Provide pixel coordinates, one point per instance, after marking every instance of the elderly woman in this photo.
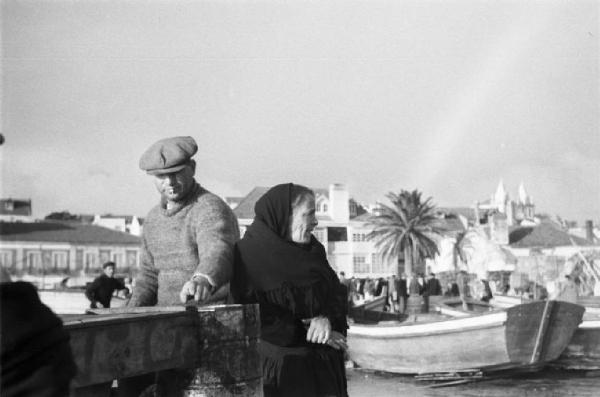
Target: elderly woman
(281, 266)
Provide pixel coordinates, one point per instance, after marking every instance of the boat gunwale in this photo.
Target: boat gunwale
(90, 320)
(408, 330)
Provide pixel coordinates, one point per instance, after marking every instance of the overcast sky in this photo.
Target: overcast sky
(447, 97)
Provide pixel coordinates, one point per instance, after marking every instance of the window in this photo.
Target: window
(104, 256)
(324, 207)
(360, 264)
(318, 207)
(6, 259)
(337, 234)
(319, 235)
(377, 263)
(34, 261)
(90, 261)
(59, 261)
(118, 259)
(131, 259)
(358, 237)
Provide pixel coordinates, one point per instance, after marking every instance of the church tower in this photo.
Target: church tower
(500, 198)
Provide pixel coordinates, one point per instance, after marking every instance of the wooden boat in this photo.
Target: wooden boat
(583, 351)
(526, 334)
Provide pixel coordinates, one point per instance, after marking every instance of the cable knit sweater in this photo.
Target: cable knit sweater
(197, 236)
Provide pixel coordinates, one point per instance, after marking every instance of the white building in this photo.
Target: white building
(12, 210)
(123, 223)
(64, 248)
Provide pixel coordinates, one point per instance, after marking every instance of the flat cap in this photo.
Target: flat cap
(168, 155)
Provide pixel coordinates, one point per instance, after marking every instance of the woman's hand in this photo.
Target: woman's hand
(319, 330)
(337, 341)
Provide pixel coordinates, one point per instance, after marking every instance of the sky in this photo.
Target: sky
(447, 97)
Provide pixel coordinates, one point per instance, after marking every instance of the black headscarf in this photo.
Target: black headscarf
(274, 209)
(286, 278)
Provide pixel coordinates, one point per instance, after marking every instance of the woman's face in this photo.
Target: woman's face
(303, 221)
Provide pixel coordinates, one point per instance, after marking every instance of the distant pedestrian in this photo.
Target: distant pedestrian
(421, 283)
(433, 286)
(568, 290)
(100, 291)
(393, 293)
(486, 295)
(369, 289)
(402, 290)
(462, 281)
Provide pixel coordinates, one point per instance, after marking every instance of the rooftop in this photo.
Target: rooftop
(544, 235)
(60, 232)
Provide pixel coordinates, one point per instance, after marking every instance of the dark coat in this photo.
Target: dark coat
(433, 287)
(101, 290)
(402, 288)
(35, 352)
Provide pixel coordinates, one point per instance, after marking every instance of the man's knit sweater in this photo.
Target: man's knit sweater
(197, 236)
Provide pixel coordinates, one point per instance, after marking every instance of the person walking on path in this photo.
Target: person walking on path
(402, 289)
(101, 290)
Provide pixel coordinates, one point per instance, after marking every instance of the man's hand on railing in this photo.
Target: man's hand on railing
(198, 288)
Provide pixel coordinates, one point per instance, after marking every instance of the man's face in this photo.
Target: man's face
(174, 186)
(109, 271)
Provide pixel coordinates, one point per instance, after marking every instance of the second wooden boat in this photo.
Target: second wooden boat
(583, 350)
(526, 334)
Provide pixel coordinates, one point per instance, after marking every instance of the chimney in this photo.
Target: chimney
(339, 201)
(589, 230)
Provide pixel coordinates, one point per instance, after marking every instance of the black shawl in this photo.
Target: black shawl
(36, 358)
(290, 281)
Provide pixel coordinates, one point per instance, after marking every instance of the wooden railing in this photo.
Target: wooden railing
(219, 344)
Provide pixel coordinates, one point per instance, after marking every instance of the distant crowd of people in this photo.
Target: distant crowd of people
(397, 290)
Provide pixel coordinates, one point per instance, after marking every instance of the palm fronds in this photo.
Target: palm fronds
(406, 226)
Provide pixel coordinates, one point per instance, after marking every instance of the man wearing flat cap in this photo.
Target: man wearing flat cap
(188, 238)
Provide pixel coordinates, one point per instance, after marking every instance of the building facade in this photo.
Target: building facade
(64, 248)
(14, 210)
(124, 223)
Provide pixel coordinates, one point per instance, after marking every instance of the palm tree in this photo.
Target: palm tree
(407, 226)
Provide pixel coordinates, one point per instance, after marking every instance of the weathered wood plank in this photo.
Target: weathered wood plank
(126, 345)
(218, 344)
